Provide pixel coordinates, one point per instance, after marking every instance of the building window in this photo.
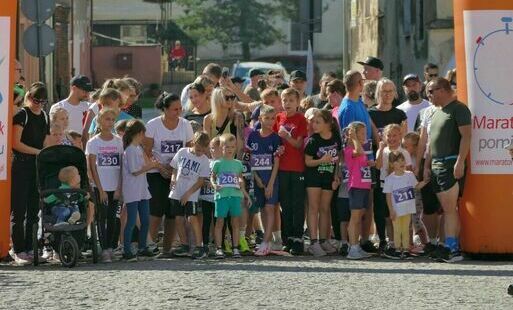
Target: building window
(309, 14)
(133, 34)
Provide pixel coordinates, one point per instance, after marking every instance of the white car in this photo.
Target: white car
(241, 69)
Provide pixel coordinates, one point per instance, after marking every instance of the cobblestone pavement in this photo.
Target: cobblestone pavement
(250, 283)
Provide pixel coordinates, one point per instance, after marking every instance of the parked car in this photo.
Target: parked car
(241, 69)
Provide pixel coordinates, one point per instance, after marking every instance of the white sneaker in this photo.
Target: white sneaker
(56, 256)
(74, 217)
(21, 259)
(47, 253)
(354, 252)
(364, 254)
(316, 250)
(106, 256)
(118, 251)
(41, 259)
(263, 249)
(328, 247)
(275, 246)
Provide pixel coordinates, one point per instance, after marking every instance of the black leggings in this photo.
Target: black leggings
(380, 212)
(24, 204)
(292, 200)
(106, 219)
(335, 219)
(208, 217)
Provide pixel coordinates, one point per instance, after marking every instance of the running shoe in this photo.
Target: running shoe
(199, 252)
(328, 247)
(369, 247)
(316, 250)
(392, 253)
(106, 258)
(145, 253)
(354, 253)
(20, 259)
(219, 253)
(344, 249)
(74, 217)
(227, 246)
(364, 254)
(263, 249)
(236, 253)
(298, 248)
(407, 255)
(447, 256)
(129, 257)
(181, 251)
(243, 245)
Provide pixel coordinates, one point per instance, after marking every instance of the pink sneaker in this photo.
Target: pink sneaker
(263, 249)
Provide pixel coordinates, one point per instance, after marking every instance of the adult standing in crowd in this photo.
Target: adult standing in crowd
(76, 104)
(165, 135)
(31, 127)
(298, 82)
(336, 91)
(212, 71)
(412, 87)
(255, 75)
(199, 106)
(372, 68)
(131, 107)
(321, 99)
(431, 72)
(449, 145)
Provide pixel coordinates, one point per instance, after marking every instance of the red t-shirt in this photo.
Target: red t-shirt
(293, 158)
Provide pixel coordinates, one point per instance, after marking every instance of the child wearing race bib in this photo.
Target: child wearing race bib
(228, 184)
(359, 184)
(264, 145)
(135, 188)
(400, 188)
(104, 155)
(392, 135)
(190, 168)
(321, 159)
(342, 206)
(206, 197)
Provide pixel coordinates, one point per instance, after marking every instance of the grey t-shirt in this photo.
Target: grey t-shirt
(135, 188)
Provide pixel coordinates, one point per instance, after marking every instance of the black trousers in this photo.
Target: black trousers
(292, 200)
(381, 212)
(106, 219)
(208, 218)
(24, 204)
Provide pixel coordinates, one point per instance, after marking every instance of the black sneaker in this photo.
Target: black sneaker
(368, 247)
(181, 251)
(199, 252)
(448, 256)
(392, 253)
(145, 253)
(382, 247)
(437, 253)
(259, 236)
(288, 245)
(429, 248)
(129, 257)
(297, 247)
(344, 250)
(407, 255)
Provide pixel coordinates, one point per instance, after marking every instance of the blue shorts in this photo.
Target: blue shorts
(358, 198)
(228, 206)
(261, 201)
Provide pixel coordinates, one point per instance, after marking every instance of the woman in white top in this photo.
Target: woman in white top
(165, 135)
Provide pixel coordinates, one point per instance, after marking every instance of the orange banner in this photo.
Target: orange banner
(482, 38)
(8, 25)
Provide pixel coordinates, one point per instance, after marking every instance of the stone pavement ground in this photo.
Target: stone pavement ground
(255, 283)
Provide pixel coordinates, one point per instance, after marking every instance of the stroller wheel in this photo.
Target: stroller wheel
(35, 243)
(68, 251)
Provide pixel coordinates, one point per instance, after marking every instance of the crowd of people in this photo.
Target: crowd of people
(224, 171)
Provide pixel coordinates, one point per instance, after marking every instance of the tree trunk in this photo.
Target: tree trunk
(243, 30)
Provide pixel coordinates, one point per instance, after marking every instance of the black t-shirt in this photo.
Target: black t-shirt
(318, 102)
(35, 128)
(135, 110)
(317, 147)
(191, 116)
(383, 118)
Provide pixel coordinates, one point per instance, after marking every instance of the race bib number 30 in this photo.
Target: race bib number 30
(228, 180)
(170, 147)
(262, 162)
(108, 160)
(403, 194)
(365, 174)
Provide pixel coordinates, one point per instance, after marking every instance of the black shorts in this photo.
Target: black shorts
(322, 181)
(189, 209)
(442, 175)
(344, 214)
(159, 190)
(430, 202)
(358, 198)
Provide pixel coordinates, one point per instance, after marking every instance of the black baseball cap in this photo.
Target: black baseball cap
(237, 80)
(411, 76)
(82, 82)
(373, 62)
(297, 75)
(255, 72)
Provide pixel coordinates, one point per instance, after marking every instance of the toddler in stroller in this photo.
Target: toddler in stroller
(65, 207)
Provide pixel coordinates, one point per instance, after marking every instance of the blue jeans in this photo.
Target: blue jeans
(62, 212)
(143, 207)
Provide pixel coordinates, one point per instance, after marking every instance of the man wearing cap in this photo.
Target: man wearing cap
(251, 90)
(412, 107)
(298, 82)
(76, 104)
(372, 68)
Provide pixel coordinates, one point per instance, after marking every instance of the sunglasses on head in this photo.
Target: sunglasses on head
(230, 97)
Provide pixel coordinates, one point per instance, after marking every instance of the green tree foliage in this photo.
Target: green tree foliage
(248, 23)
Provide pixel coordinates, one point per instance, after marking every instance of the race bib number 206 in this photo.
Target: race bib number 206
(228, 180)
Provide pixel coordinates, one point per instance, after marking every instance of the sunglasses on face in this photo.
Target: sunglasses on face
(230, 97)
(433, 75)
(431, 91)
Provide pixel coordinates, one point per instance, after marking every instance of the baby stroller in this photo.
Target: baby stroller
(67, 240)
